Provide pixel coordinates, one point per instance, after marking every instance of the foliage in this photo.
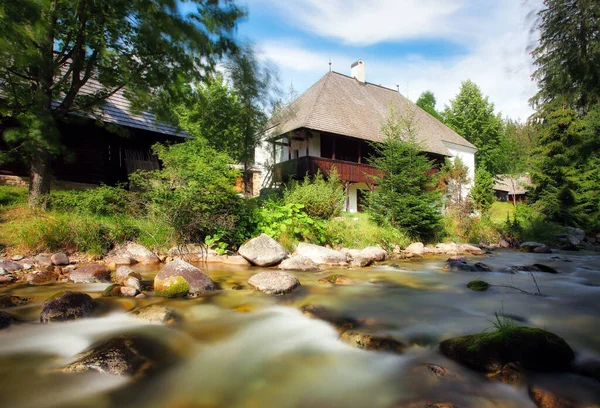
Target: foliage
(472, 115)
(290, 223)
(405, 198)
(321, 198)
(568, 54)
(482, 192)
(453, 178)
(103, 200)
(51, 49)
(427, 102)
(193, 193)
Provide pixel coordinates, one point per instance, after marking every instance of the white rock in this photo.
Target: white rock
(415, 248)
(263, 251)
(321, 255)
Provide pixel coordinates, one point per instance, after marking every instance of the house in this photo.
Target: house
(102, 148)
(334, 124)
(511, 188)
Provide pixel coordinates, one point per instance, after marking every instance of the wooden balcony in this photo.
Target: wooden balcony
(349, 172)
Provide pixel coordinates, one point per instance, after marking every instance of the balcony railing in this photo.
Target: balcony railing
(347, 171)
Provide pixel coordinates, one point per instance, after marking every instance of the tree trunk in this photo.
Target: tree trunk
(39, 182)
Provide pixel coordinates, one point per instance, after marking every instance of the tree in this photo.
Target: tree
(253, 83)
(568, 54)
(51, 48)
(472, 115)
(482, 192)
(453, 178)
(427, 102)
(406, 197)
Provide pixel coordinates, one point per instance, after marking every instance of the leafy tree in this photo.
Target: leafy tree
(482, 192)
(405, 198)
(51, 48)
(427, 102)
(453, 178)
(254, 84)
(568, 54)
(472, 115)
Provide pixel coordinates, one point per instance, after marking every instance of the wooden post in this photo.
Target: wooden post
(306, 133)
(333, 147)
(359, 152)
(289, 140)
(347, 184)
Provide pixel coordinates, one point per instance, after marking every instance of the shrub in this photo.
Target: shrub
(320, 197)
(359, 231)
(103, 200)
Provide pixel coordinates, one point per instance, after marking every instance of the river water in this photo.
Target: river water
(241, 348)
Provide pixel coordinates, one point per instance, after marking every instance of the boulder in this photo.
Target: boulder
(40, 278)
(534, 349)
(138, 252)
(544, 398)
(416, 248)
(368, 341)
(321, 255)
(59, 259)
(576, 233)
(376, 254)
(16, 257)
(66, 306)
(156, 314)
(5, 320)
(276, 283)
(6, 279)
(478, 285)
(127, 291)
(43, 260)
(511, 373)
(263, 251)
(9, 266)
(3, 271)
(298, 263)
(124, 272)
(127, 355)
(360, 262)
(544, 249)
(537, 247)
(112, 290)
(90, 273)
(114, 261)
(234, 260)
(460, 266)
(133, 282)
(12, 301)
(178, 279)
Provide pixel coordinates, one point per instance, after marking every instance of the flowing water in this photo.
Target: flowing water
(241, 348)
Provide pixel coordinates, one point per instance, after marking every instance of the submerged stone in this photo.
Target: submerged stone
(276, 283)
(373, 342)
(298, 263)
(156, 314)
(532, 348)
(12, 301)
(5, 320)
(340, 322)
(66, 306)
(478, 285)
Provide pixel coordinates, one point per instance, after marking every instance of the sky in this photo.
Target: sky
(417, 45)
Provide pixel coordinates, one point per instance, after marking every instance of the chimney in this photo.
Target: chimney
(358, 70)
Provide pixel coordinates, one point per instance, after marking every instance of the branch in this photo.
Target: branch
(519, 289)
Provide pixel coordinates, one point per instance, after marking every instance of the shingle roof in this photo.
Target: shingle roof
(340, 104)
(117, 110)
(512, 185)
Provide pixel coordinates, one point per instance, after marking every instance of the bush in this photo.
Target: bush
(103, 200)
(359, 231)
(482, 192)
(320, 198)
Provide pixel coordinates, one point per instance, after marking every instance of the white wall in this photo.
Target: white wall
(467, 156)
(353, 196)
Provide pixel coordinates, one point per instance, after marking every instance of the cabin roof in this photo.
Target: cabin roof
(343, 105)
(512, 185)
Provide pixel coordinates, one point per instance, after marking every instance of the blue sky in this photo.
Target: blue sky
(416, 44)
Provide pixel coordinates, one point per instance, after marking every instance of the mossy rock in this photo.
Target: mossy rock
(535, 349)
(112, 290)
(172, 287)
(478, 285)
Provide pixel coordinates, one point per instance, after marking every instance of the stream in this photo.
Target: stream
(243, 348)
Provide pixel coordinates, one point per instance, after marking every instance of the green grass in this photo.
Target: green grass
(499, 210)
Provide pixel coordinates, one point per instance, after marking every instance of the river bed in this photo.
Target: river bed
(242, 348)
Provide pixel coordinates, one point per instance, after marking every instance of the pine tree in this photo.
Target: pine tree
(482, 192)
(405, 197)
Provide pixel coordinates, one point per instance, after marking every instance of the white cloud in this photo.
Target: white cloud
(497, 60)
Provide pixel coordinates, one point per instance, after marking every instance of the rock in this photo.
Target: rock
(298, 263)
(569, 247)
(156, 314)
(114, 261)
(66, 306)
(12, 301)
(43, 260)
(112, 290)
(423, 404)
(502, 243)
(415, 248)
(478, 285)
(337, 280)
(534, 349)
(127, 291)
(469, 249)
(373, 342)
(481, 267)
(534, 268)
(544, 268)
(59, 258)
(9, 266)
(178, 279)
(276, 283)
(511, 374)
(376, 254)
(544, 249)
(40, 278)
(530, 246)
(124, 272)
(263, 251)
(435, 370)
(5, 320)
(27, 266)
(90, 273)
(459, 266)
(321, 255)
(360, 262)
(16, 258)
(546, 399)
(138, 252)
(3, 271)
(234, 260)
(576, 233)
(341, 323)
(133, 282)
(6, 279)
(127, 355)
(589, 368)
